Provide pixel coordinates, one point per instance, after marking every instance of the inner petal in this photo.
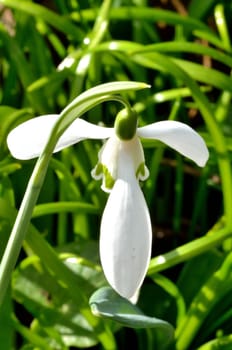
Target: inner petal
(120, 159)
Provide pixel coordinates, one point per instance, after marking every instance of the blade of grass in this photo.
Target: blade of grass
(146, 14)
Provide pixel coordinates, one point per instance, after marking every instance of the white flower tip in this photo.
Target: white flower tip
(204, 158)
(201, 154)
(135, 297)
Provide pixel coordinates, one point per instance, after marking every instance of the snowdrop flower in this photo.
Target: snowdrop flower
(126, 232)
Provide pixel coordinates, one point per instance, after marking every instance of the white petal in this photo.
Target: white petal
(80, 130)
(125, 239)
(180, 137)
(28, 140)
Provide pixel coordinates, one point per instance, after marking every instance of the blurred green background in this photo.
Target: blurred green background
(50, 52)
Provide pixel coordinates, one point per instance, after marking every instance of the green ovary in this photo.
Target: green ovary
(126, 124)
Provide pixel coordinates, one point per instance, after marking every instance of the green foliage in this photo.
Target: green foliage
(51, 53)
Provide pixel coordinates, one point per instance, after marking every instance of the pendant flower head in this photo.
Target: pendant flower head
(125, 233)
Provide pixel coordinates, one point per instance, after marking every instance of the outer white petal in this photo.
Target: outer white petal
(125, 239)
(180, 137)
(28, 140)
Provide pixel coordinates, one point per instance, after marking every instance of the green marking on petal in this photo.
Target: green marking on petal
(141, 170)
(108, 178)
(98, 170)
(101, 172)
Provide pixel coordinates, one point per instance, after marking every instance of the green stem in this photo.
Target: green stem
(91, 41)
(22, 222)
(101, 24)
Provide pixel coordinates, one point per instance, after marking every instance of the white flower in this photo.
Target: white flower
(126, 233)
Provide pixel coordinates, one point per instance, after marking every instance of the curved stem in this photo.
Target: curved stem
(22, 222)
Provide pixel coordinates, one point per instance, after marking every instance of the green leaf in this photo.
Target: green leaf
(172, 47)
(105, 302)
(196, 272)
(147, 14)
(195, 71)
(206, 75)
(48, 301)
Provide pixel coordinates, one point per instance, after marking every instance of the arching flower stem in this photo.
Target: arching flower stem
(75, 109)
